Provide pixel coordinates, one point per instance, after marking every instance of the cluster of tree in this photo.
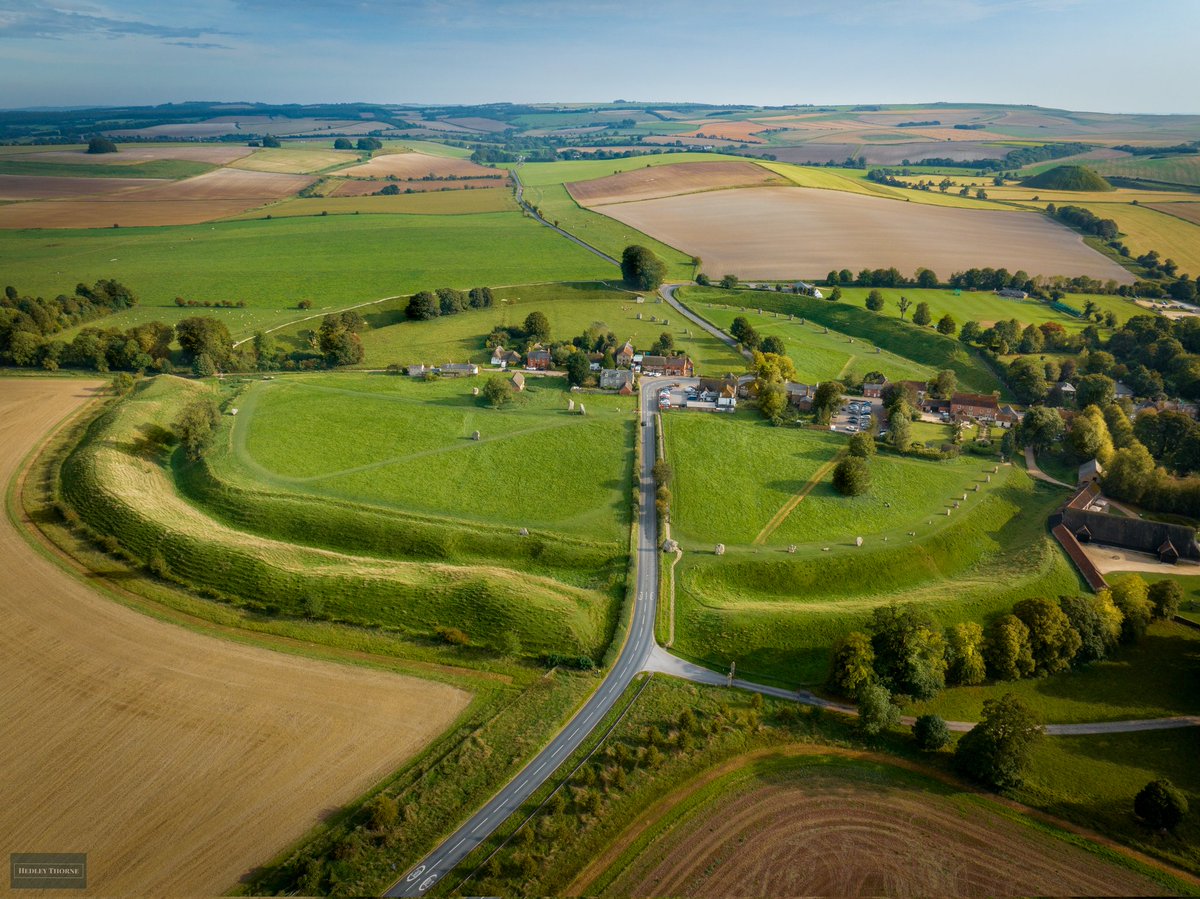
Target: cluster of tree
(883, 277)
(368, 144)
(211, 304)
(641, 268)
(1085, 220)
(338, 339)
(535, 329)
(744, 333)
(101, 145)
(429, 304)
(25, 320)
(852, 475)
(772, 371)
(1177, 150)
(195, 425)
(514, 151)
(1149, 345)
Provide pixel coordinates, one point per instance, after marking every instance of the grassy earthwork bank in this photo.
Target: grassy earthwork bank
(570, 307)
(333, 261)
(923, 346)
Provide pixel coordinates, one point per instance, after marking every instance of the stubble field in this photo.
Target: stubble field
(784, 233)
(178, 762)
(417, 166)
(669, 180)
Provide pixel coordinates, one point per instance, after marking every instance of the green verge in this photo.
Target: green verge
(173, 169)
(922, 345)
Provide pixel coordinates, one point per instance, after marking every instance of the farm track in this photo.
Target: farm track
(177, 761)
(790, 506)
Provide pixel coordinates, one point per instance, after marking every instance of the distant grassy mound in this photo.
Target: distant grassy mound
(1068, 177)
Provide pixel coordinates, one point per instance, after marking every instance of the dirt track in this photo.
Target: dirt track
(785, 232)
(175, 760)
(814, 833)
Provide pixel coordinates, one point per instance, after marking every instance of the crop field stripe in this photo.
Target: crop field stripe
(790, 506)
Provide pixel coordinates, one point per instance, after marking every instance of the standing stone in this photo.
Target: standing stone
(474, 391)
(720, 549)
(792, 549)
(474, 435)
(570, 405)
(582, 411)
(858, 541)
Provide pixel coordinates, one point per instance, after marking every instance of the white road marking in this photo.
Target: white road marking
(417, 872)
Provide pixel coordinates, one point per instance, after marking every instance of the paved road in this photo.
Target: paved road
(668, 293)
(1037, 473)
(537, 215)
(637, 648)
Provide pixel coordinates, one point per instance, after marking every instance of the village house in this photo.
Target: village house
(1012, 293)
(920, 388)
(625, 355)
(1081, 522)
(718, 387)
(1123, 391)
(974, 405)
(1009, 416)
(675, 366)
(874, 389)
(1090, 472)
(504, 358)
(539, 359)
(615, 378)
(419, 371)
(800, 395)
(458, 370)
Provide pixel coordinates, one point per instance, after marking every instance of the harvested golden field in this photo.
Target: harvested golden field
(444, 202)
(289, 161)
(49, 187)
(774, 232)
(1189, 212)
(669, 180)
(842, 830)
(128, 154)
(215, 195)
(418, 165)
(357, 188)
(177, 761)
(742, 132)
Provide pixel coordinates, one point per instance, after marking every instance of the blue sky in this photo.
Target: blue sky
(1103, 55)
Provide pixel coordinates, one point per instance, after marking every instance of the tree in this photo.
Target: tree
(947, 383)
(774, 345)
(835, 295)
(1097, 621)
(578, 368)
(926, 279)
(1166, 596)
(1032, 341)
(338, 339)
(537, 326)
(876, 713)
(369, 143)
(641, 269)
(265, 350)
(423, 306)
(1028, 379)
(910, 653)
(1041, 427)
(271, 141)
(930, 732)
(862, 445)
(1089, 436)
(1131, 596)
(997, 750)
(497, 391)
(729, 282)
(971, 332)
(207, 336)
(1120, 428)
(451, 301)
(965, 665)
(1053, 642)
(343, 143)
(664, 345)
(101, 145)
(772, 401)
(921, 315)
(947, 325)
(900, 427)
(122, 383)
(874, 301)
(738, 327)
(852, 476)
(195, 425)
(1130, 473)
(853, 664)
(1160, 805)
(1095, 390)
(383, 812)
(1007, 649)
(904, 303)
(827, 399)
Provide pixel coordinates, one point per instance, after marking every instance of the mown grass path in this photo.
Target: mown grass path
(790, 506)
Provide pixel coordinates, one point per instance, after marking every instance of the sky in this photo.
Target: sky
(1095, 55)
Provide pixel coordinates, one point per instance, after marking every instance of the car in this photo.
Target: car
(853, 429)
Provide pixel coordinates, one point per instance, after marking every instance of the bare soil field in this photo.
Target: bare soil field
(670, 180)
(842, 833)
(774, 233)
(129, 154)
(417, 165)
(1189, 212)
(207, 197)
(177, 761)
(50, 187)
(366, 188)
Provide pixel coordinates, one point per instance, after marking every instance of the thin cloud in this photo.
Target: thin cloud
(34, 20)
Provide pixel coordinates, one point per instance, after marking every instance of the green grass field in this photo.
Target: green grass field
(173, 169)
(1169, 170)
(922, 346)
(570, 308)
(335, 261)
(822, 356)
(443, 202)
(412, 449)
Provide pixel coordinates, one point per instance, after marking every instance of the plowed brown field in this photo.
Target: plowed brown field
(43, 187)
(207, 197)
(743, 132)
(840, 833)
(176, 761)
(1189, 212)
(417, 165)
(671, 180)
(776, 232)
